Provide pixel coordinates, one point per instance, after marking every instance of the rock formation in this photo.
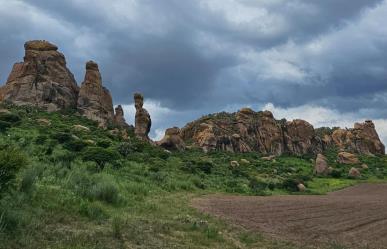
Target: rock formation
(321, 165)
(41, 80)
(347, 158)
(95, 101)
(362, 139)
(250, 131)
(143, 121)
(119, 119)
(247, 131)
(172, 140)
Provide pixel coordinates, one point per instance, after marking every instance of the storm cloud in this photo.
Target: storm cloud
(190, 58)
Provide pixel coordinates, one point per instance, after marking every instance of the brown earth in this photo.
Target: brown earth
(355, 217)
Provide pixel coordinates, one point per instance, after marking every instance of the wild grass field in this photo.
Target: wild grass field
(63, 186)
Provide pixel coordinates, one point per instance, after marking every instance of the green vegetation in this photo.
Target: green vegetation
(65, 188)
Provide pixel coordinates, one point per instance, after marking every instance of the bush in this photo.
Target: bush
(105, 189)
(9, 117)
(198, 166)
(28, 180)
(125, 148)
(93, 211)
(62, 137)
(11, 161)
(100, 156)
(75, 145)
(104, 143)
(4, 125)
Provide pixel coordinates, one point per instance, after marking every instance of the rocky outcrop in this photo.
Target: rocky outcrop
(95, 101)
(347, 158)
(172, 140)
(300, 138)
(143, 121)
(321, 165)
(247, 131)
(119, 119)
(41, 80)
(362, 139)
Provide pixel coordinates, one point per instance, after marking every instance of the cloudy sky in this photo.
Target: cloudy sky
(321, 60)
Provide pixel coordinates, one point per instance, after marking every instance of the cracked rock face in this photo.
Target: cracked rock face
(95, 101)
(143, 121)
(41, 80)
(362, 139)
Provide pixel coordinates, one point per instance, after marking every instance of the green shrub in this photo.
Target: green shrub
(198, 166)
(4, 125)
(104, 143)
(105, 189)
(62, 137)
(9, 117)
(100, 156)
(93, 211)
(125, 148)
(258, 186)
(28, 180)
(11, 161)
(75, 145)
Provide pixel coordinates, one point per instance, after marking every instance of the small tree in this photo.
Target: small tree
(11, 161)
(100, 156)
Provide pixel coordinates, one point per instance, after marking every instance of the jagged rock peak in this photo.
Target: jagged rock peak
(91, 65)
(119, 119)
(40, 45)
(143, 120)
(42, 79)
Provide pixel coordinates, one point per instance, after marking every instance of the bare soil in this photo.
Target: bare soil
(355, 217)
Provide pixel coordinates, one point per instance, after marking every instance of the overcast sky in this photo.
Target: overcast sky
(321, 60)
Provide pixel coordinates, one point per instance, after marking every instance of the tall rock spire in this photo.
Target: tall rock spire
(95, 101)
(143, 121)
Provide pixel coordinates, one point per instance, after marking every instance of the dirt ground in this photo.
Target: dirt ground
(355, 217)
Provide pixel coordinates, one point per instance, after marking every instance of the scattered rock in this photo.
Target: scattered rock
(301, 187)
(44, 122)
(245, 161)
(4, 111)
(95, 101)
(90, 142)
(41, 80)
(354, 172)
(321, 165)
(268, 158)
(81, 128)
(143, 121)
(172, 140)
(234, 164)
(347, 158)
(364, 166)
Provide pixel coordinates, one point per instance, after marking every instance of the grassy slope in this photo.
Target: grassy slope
(141, 200)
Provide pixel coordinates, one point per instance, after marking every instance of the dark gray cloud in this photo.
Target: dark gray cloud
(210, 55)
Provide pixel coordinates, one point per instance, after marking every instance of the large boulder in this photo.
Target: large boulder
(143, 120)
(321, 165)
(41, 80)
(362, 139)
(172, 140)
(95, 101)
(347, 158)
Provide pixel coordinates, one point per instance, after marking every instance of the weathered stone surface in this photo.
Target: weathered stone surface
(301, 187)
(119, 119)
(172, 140)
(300, 138)
(247, 131)
(321, 165)
(362, 139)
(347, 158)
(95, 101)
(41, 80)
(234, 164)
(81, 128)
(143, 121)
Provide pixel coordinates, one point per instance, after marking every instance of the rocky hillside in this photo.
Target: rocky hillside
(248, 131)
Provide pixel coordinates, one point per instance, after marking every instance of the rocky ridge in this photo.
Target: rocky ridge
(250, 131)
